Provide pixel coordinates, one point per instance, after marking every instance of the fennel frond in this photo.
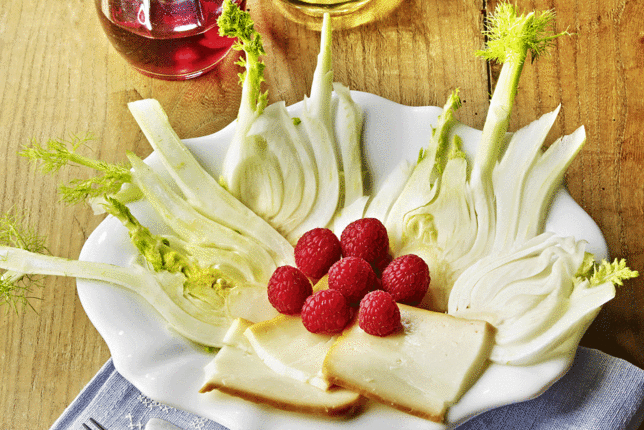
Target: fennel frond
(56, 154)
(15, 287)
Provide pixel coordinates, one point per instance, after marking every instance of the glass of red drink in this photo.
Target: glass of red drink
(167, 39)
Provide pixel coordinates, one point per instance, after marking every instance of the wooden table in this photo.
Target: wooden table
(59, 77)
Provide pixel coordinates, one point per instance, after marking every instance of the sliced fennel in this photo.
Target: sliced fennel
(419, 188)
(160, 289)
(198, 230)
(316, 120)
(380, 204)
(442, 232)
(545, 178)
(532, 296)
(276, 128)
(526, 178)
(512, 172)
(198, 302)
(511, 38)
(240, 261)
(348, 129)
(250, 171)
(200, 189)
(318, 162)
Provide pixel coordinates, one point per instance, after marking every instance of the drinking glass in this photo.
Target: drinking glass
(343, 13)
(167, 39)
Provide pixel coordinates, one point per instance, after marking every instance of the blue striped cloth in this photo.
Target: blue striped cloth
(600, 392)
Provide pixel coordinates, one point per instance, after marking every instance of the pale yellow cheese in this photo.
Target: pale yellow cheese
(421, 370)
(288, 348)
(238, 371)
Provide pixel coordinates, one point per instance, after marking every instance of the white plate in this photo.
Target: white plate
(169, 369)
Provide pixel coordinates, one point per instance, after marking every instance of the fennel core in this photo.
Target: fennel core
(200, 281)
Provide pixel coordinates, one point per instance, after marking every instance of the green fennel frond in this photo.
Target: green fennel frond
(56, 154)
(615, 272)
(509, 35)
(79, 190)
(15, 287)
(14, 232)
(15, 290)
(237, 23)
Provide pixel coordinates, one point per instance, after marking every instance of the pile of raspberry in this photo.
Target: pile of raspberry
(361, 275)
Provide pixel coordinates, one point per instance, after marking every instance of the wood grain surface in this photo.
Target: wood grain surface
(59, 77)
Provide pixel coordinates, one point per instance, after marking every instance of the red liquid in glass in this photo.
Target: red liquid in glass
(168, 39)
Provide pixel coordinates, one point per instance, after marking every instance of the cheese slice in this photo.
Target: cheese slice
(238, 371)
(288, 348)
(421, 370)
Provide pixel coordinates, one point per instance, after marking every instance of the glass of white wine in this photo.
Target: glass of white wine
(343, 13)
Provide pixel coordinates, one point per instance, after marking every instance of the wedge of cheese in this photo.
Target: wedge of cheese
(288, 348)
(421, 370)
(238, 371)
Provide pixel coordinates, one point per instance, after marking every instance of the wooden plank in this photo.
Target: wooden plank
(51, 85)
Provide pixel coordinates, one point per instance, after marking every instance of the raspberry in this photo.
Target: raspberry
(288, 288)
(353, 277)
(316, 251)
(379, 314)
(365, 238)
(326, 312)
(407, 279)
